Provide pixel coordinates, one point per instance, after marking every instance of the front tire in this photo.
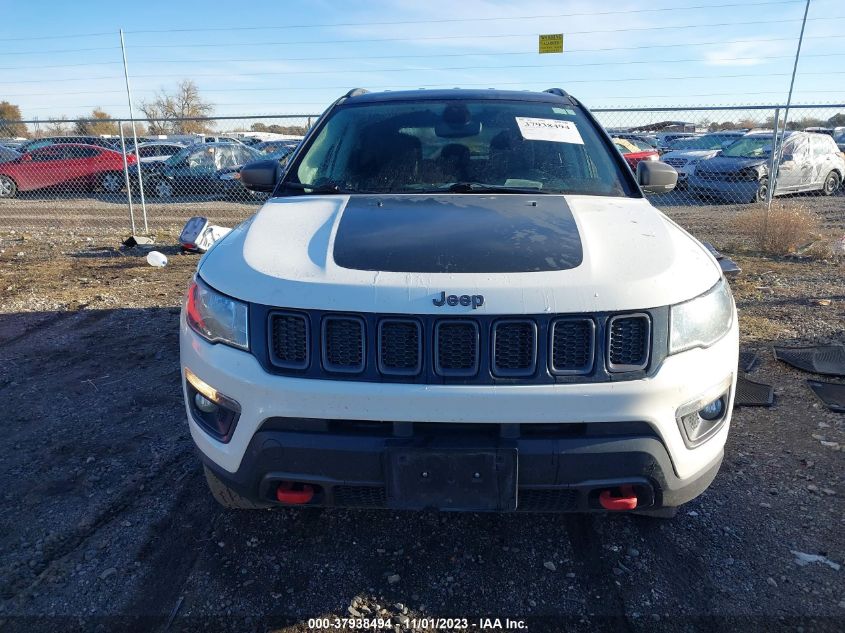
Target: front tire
(163, 189)
(227, 497)
(111, 182)
(762, 190)
(831, 183)
(8, 188)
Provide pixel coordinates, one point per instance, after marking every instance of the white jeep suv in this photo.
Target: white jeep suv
(460, 300)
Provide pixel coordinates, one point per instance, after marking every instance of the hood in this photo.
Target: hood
(730, 164)
(691, 154)
(527, 254)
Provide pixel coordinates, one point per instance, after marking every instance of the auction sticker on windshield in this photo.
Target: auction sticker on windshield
(548, 130)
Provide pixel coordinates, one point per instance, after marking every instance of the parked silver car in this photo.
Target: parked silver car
(685, 153)
(740, 173)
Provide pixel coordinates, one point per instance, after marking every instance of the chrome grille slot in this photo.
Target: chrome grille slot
(343, 347)
(573, 346)
(514, 348)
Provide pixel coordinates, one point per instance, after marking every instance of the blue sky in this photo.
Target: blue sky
(297, 56)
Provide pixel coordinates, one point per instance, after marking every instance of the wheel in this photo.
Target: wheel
(831, 183)
(163, 189)
(8, 188)
(111, 182)
(762, 190)
(227, 497)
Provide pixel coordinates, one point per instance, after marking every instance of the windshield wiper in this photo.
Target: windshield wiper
(481, 187)
(325, 188)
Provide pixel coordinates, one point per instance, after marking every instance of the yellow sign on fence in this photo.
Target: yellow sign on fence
(551, 43)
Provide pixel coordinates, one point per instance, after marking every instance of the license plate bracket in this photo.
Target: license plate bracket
(452, 479)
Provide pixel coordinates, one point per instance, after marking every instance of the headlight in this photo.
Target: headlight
(231, 175)
(216, 317)
(702, 321)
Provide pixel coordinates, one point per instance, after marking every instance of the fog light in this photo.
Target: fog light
(713, 411)
(701, 419)
(204, 404)
(216, 413)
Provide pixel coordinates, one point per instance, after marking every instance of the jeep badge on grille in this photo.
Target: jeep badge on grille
(476, 301)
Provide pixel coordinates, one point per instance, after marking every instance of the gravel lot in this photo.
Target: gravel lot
(107, 524)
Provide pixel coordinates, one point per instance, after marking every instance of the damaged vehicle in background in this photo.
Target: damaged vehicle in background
(685, 153)
(459, 300)
(740, 173)
(69, 165)
(634, 151)
(201, 169)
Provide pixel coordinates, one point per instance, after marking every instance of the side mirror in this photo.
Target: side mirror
(656, 177)
(262, 175)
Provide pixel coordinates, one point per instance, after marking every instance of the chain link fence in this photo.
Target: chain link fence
(51, 178)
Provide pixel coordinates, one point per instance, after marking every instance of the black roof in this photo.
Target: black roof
(441, 94)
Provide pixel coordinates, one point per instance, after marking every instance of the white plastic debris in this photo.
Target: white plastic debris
(198, 235)
(802, 559)
(159, 260)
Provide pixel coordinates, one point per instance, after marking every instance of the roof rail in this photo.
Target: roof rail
(560, 92)
(356, 92)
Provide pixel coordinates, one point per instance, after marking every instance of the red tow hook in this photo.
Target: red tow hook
(286, 493)
(626, 501)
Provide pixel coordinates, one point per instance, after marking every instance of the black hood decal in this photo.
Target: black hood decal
(454, 233)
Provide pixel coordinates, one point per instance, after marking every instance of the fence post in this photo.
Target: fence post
(126, 176)
(773, 163)
(134, 133)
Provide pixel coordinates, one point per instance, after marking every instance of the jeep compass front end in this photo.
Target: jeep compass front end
(459, 300)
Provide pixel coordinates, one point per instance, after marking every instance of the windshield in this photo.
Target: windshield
(178, 157)
(701, 142)
(750, 147)
(473, 146)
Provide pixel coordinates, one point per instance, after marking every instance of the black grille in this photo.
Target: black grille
(343, 344)
(514, 348)
(400, 347)
(359, 496)
(547, 500)
(573, 345)
(629, 342)
(289, 340)
(456, 345)
(465, 349)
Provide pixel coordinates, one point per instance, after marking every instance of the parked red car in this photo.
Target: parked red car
(633, 151)
(86, 166)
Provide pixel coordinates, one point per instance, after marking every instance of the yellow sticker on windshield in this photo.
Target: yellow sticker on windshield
(548, 130)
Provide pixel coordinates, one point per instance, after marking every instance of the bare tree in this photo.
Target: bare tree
(168, 111)
(57, 127)
(10, 120)
(101, 124)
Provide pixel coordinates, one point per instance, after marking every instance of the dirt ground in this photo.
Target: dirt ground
(106, 522)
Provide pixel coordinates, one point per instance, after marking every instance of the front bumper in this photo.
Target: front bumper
(740, 190)
(556, 473)
(610, 433)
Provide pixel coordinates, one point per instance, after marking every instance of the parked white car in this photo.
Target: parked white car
(462, 300)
